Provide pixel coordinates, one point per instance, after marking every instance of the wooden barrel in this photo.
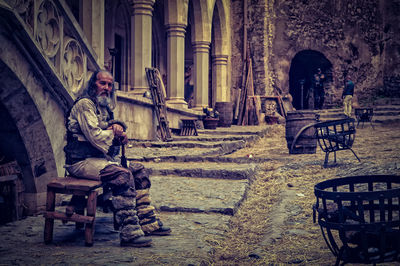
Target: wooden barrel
(306, 143)
(225, 113)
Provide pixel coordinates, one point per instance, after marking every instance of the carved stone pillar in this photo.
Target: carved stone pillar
(141, 21)
(93, 26)
(220, 79)
(175, 61)
(201, 51)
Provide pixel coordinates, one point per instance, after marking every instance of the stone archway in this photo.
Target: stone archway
(219, 55)
(24, 139)
(303, 67)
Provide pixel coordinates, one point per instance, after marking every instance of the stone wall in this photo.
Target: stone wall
(359, 38)
(39, 120)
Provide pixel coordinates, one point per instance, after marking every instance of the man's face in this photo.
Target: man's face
(104, 84)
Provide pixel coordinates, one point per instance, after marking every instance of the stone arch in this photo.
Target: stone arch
(201, 26)
(24, 138)
(118, 25)
(201, 39)
(302, 69)
(159, 44)
(219, 54)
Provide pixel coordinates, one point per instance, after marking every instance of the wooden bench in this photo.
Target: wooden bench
(87, 189)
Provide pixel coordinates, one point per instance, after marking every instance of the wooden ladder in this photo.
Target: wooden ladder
(158, 94)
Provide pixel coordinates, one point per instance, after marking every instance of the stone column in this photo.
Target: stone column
(175, 64)
(201, 52)
(92, 16)
(141, 43)
(219, 79)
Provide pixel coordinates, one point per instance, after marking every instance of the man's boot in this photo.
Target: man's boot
(139, 242)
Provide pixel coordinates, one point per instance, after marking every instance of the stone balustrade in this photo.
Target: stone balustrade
(51, 31)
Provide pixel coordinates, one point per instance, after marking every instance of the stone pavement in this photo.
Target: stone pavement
(196, 187)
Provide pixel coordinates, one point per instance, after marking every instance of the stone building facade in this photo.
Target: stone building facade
(49, 48)
(290, 39)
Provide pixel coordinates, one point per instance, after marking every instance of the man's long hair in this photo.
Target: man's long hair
(91, 89)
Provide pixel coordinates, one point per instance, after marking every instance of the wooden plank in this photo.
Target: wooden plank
(252, 112)
(91, 211)
(158, 94)
(243, 95)
(237, 102)
(280, 103)
(82, 184)
(70, 183)
(73, 218)
(56, 183)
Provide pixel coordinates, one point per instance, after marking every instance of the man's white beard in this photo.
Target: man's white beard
(103, 101)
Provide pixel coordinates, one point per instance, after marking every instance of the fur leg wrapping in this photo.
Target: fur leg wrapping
(146, 213)
(142, 179)
(126, 217)
(121, 202)
(143, 197)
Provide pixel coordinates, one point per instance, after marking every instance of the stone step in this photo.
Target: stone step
(188, 194)
(206, 143)
(211, 158)
(209, 143)
(382, 114)
(214, 170)
(179, 151)
(202, 137)
(236, 130)
(387, 101)
(377, 118)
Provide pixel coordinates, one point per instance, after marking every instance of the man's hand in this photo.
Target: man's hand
(117, 129)
(119, 133)
(124, 138)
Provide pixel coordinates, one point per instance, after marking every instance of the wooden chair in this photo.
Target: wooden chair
(189, 127)
(87, 189)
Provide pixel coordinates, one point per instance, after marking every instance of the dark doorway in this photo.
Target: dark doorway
(301, 75)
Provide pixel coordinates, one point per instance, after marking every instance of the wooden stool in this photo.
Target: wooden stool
(78, 187)
(188, 127)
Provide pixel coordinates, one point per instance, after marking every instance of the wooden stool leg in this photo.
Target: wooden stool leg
(49, 222)
(91, 211)
(80, 209)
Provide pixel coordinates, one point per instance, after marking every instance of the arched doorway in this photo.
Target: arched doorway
(301, 74)
(24, 138)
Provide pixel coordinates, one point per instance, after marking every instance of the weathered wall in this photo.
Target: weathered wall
(391, 46)
(359, 38)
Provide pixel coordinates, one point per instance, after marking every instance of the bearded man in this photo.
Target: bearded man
(93, 142)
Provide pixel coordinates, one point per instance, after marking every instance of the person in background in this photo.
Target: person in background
(93, 143)
(319, 93)
(347, 95)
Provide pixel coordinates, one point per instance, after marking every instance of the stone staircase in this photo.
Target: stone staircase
(190, 174)
(382, 113)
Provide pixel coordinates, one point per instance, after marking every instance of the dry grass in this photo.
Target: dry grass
(297, 240)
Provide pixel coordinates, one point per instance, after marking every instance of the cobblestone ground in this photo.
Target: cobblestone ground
(272, 226)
